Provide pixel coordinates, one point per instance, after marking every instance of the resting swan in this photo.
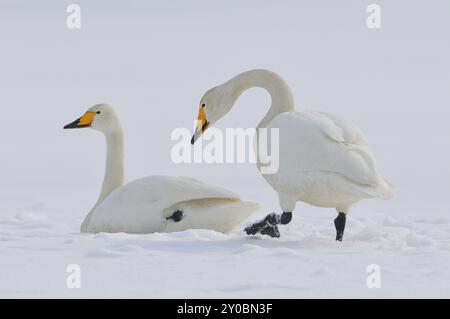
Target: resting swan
(324, 161)
(154, 203)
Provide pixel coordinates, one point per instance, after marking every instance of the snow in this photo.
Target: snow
(152, 61)
(412, 250)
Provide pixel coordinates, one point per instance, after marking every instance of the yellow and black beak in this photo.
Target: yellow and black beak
(202, 125)
(84, 121)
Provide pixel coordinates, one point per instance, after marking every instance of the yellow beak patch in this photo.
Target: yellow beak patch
(201, 120)
(202, 125)
(86, 119)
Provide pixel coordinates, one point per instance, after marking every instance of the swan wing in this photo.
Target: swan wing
(319, 142)
(137, 206)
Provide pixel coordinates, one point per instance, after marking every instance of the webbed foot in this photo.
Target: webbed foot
(268, 226)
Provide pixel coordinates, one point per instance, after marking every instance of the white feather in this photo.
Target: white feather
(145, 205)
(324, 160)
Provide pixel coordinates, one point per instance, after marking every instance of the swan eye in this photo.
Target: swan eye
(203, 104)
(98, 112)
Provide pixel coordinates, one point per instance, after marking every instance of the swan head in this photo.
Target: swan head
(215, 104)
(100, 117)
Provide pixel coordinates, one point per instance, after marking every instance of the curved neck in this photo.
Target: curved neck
(280, 92)
(114, 170)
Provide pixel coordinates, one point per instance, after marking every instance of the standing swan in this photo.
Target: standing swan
(324, 161)
(154, 203)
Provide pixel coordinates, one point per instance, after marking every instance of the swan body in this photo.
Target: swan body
(323, 160)
(145, 205)
(331, 164)
(154, 203)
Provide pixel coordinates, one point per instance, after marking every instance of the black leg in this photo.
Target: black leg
(268, 226)
(286, 218)
(339, 223)
(176, 216)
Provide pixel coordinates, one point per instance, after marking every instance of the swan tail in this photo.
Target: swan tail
(386, 189)
(234, 214)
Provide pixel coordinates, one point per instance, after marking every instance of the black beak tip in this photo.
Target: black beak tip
(193, 140)
(68, 126)
(74, 124)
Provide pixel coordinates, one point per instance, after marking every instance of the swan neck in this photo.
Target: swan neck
(279, 90)
(114, 170)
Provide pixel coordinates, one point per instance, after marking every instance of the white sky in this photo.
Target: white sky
(153, 60)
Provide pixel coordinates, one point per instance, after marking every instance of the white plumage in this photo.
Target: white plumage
(155, 203)
(323, 160)
(143, 206)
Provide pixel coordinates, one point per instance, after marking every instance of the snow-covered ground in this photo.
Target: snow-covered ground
(153, 60)
(412, 249)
